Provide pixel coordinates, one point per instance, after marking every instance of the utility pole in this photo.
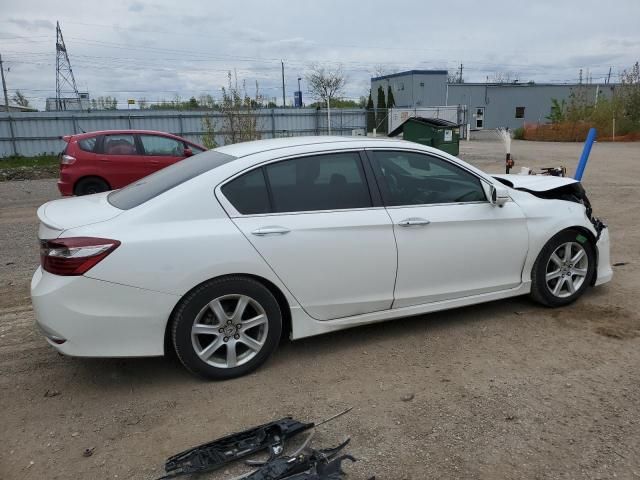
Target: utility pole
(4, 87)
(284, 104)
(609, 76)
(580, 81)
(460, 75)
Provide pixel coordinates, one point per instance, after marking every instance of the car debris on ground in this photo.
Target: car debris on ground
(305, 463)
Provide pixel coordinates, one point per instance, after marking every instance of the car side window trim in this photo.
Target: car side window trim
(372, 182)
(234, 213)
(139, 146)
(100, 144)
(381, 180)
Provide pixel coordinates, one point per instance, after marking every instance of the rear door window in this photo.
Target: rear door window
(157, 145)
(319, 182)
(120, 144)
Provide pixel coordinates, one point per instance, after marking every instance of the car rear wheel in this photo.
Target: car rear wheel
(226, 327)
(563, 270)
(90, 185)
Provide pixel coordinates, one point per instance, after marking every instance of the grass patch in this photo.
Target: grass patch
(29, 162)
(28, 168)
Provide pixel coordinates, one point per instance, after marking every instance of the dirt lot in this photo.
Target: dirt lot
(501, 390)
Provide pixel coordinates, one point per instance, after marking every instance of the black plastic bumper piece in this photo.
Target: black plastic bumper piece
(214, 455)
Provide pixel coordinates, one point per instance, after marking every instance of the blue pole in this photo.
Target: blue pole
(591, 137)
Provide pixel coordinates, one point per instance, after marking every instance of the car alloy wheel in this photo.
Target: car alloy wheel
(226, 327)
(229, 331)
(567, 269)
(564, 268)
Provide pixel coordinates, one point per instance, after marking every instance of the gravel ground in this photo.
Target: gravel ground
(501, 390)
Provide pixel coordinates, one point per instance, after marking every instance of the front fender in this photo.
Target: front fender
(546, 218)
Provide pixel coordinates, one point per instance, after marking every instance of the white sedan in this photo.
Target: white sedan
(222, 254)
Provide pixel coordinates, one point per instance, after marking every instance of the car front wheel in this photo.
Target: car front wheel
(226, 327)
(563, 270)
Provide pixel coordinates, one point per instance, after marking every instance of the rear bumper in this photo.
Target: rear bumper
(65, 188)
(85, 317)
(605, 272)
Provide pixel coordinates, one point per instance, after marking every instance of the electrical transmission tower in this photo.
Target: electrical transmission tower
(65, 82)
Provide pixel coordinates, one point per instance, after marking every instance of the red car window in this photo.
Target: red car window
(195, 150)
(163, 146)
(119, 145)
(88, 144)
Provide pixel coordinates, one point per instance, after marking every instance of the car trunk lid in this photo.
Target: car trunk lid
(60, 215)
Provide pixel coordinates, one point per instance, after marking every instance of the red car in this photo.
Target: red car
(100, 161)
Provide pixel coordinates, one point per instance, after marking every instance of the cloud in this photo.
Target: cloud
(136, 7)
(32, 24)
(189, 46)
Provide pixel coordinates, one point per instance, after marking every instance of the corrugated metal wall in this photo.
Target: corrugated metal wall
(37, 133)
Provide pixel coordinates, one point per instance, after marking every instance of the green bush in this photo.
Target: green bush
(518, 133)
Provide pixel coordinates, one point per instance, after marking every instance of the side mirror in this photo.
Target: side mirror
(188, 152)
(499, 196)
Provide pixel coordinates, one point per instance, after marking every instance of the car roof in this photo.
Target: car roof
(80, 136)
(257, 146)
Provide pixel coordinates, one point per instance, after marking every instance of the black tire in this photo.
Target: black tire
(196, 306)
(90, 185)
(542, 289)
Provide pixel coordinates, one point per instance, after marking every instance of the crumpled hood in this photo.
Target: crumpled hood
(534, 183)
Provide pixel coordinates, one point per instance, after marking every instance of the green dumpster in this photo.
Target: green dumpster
(433, 132)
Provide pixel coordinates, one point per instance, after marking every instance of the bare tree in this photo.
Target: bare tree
(19, 99)
(453, 78)
(325, 84)
(504, 77)
(206, 101)
(239, 116)
(209, 133)
(380, 70)
(630, 80)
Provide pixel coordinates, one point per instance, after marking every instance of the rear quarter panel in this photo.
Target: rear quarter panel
(176, 241)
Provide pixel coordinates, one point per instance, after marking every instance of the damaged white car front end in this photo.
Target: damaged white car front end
(562, 189)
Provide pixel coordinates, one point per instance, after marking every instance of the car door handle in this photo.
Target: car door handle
(263, 231)
(413, 222)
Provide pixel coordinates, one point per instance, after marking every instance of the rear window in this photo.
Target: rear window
(88, 144)
(163, 180)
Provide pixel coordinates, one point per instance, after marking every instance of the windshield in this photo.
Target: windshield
(163, 180)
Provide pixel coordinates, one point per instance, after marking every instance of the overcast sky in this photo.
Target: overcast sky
(160, 49)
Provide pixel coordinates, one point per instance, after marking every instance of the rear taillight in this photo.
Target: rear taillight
(74, 255)
(67, 160)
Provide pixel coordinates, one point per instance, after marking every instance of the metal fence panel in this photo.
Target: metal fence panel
(38, 133)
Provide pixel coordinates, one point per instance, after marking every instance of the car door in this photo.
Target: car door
(120, 160)
(160, 151)
(452, 242)
(314, 221)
